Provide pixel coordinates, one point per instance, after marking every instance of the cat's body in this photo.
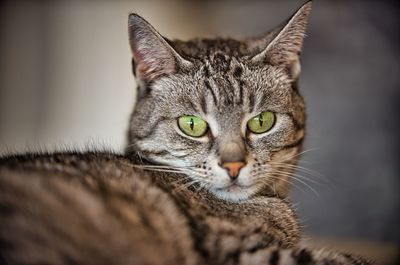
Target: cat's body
(219, 125)
(101, 208)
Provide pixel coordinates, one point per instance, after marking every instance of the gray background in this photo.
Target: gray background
(65, 83)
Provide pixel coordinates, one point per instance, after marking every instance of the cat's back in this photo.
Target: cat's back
(99, 208)
(87, 209)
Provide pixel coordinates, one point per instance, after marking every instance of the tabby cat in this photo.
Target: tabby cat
(213, 140)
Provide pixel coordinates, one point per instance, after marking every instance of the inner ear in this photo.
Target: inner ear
(152, 56)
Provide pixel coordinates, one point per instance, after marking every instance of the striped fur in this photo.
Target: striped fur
(226, 82)
(100, 208)
(167, 201)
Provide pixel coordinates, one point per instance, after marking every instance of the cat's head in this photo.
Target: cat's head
(227, 113)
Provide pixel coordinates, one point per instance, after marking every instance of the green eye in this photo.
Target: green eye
(261, 123)
(192, 125)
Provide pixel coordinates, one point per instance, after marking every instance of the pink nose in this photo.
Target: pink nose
(233, 168)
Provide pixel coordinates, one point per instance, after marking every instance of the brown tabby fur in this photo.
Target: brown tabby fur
(102, 208)
(98, 208)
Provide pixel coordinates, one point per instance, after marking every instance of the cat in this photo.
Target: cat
(213, 140)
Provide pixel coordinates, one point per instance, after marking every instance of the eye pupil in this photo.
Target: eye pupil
(191, 124)
(260, 118)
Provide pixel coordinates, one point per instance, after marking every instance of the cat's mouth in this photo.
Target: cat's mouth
(234, 187)
(234, 192)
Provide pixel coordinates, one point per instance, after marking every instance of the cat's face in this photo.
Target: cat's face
(224, 112)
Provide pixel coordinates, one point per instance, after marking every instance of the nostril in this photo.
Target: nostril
(233, 168)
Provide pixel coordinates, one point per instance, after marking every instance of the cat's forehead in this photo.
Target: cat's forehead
(222, 80)
(227, 89)
(207, 48)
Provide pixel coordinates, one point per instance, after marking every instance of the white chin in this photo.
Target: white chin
(233, 193)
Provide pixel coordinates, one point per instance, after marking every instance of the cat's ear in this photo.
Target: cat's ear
(283, 45)
(152, 56)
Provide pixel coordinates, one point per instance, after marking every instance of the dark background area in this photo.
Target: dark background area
(65, 82)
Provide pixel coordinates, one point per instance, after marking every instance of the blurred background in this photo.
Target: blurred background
(66, 83)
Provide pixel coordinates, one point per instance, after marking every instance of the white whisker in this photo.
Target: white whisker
(297, 177)
(298, 154)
